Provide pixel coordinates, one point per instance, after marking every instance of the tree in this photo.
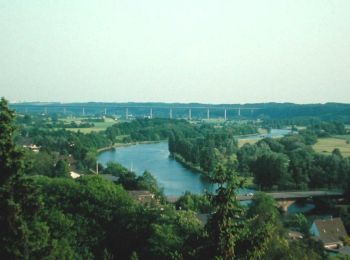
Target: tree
(194, 202)
(19, 202)
(227, 225)
(270, 169)
(299, 221)
(10, 155)
(264, 226)
(61, 169)
(147, 182)
(172, 234)
(299, 167)
(115, 169)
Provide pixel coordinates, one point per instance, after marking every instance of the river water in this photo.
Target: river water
(274, 133)
(171, 175)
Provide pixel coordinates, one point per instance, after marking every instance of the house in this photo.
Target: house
(32, 147)
(330, 231)
(142, 196)
(295, 235)
(344, 250)
(74, 175)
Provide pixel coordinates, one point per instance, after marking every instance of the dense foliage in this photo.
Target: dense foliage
(45, 214)
(290, 163)
(148, 130)
(210, 146)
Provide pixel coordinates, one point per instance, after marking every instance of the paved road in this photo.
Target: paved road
(296, 195)
(282, 195)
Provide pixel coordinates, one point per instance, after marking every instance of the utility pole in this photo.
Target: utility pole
(225, 115)
(151, 113)
(126, 114)
(105, 111)
(208, 114)
(189, 114)
(96, 167)
(239, 111)
(171, 113)
(83, 111)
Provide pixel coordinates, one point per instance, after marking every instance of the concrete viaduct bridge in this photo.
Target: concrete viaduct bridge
(150, 111)
(285, 199)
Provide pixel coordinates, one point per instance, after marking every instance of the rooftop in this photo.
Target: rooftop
(331, 230)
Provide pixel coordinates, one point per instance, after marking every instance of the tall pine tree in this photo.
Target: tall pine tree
(18, 200)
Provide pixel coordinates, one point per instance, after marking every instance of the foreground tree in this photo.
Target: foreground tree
(264, 226)
(18, 200)
(10, 156)
(227, 225)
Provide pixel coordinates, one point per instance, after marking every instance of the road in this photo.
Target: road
(296, 195)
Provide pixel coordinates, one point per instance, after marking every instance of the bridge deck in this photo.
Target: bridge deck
(296, 195)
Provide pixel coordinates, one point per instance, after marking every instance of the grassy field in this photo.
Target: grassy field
(327, 145)
(242, 142)
(99, 126)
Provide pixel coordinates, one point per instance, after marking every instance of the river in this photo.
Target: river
(274, 133)
(171, 175)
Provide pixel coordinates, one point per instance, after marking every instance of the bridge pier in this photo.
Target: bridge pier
(284, 204)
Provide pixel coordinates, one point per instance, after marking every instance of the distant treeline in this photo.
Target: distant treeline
(327, 112)
(315, 126)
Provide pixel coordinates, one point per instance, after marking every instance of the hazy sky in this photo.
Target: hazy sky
(218, 51)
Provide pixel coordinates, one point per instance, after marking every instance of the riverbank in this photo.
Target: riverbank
(116, 145)
(190, 166)
(249, 184)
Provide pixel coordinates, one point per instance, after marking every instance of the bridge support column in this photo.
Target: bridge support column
(284, 204)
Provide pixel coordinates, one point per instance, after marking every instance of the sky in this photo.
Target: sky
(208, 51)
